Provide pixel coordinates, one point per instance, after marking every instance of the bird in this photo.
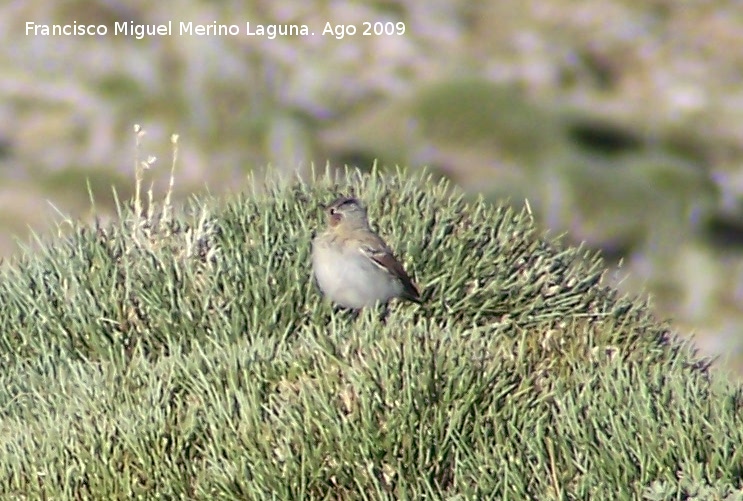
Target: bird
(352, 265)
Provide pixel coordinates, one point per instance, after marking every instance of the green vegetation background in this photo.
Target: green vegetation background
(619, 120)
(190, 357)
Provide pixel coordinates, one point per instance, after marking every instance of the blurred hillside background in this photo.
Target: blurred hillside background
(620, 120)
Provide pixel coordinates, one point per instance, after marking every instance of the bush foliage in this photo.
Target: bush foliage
(191, 357)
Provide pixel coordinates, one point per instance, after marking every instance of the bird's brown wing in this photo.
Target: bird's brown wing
(383, 257)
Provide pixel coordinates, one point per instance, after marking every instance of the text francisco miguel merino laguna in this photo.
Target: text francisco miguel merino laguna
(139, 31)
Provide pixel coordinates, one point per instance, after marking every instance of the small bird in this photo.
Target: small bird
(352, 264)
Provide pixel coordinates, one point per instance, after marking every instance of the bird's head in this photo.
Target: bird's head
(346, 213)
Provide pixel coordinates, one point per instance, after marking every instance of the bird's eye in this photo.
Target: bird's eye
(332, 211)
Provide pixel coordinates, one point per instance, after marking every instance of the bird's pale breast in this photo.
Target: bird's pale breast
(349, 278)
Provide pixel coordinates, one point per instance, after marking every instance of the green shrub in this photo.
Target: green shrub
(191, 357)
